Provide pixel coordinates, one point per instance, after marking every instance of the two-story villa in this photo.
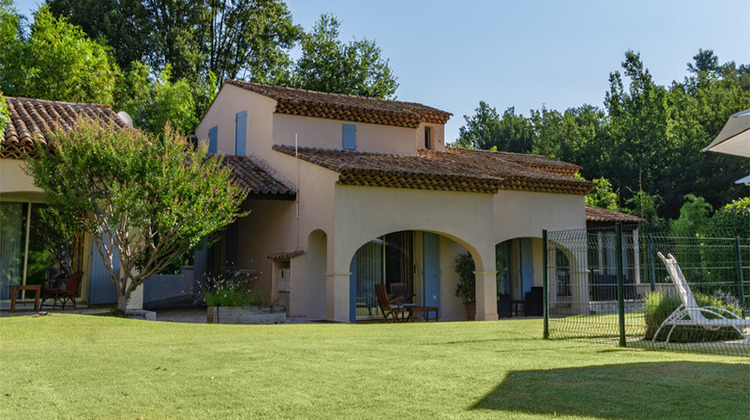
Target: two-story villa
(379, 199)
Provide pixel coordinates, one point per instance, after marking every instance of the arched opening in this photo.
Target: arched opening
(420, 263)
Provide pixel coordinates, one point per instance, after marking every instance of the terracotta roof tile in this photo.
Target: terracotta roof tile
(32, 119)
(346, 107)
(598, 214)
(453, 170)
(256, 181)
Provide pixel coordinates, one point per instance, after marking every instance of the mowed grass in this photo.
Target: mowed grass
(68, 366)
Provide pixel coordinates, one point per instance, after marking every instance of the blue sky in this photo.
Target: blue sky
(531, 53)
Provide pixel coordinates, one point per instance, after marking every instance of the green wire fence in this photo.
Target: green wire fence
(610, 285)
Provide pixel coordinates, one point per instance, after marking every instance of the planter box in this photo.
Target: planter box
(246, 315)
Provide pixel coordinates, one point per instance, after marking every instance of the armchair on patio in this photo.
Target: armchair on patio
(392, 311)
(64, 290)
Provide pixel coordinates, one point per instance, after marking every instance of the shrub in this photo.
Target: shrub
(658, 306)
(232, 289)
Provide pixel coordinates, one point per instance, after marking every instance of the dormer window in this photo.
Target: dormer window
(428, 138)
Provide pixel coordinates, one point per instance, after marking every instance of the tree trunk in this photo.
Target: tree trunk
(122, 301)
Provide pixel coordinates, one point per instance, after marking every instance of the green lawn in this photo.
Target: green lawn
(67, 366)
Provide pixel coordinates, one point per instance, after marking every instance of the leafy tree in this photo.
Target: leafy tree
(645, 206)
(486, 130)
(603, 196)
(12, 47)
(354, 68)
(732, 219)
(125, 25)
(240, 38)
(3, 113)
(57, 61)
(705, 61)
(155, 100)
(151, 198)
(694, 215)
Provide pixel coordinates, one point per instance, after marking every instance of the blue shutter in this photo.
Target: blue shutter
(240, 133)
(431, 269)
(349, 136)
(353, 290)
(213, 139)
(527, 265)
(101, 289)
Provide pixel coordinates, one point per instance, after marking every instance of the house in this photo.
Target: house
(23, 256)
(23, 259)
(380, 198)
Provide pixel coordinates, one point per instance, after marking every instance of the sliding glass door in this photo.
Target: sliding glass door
(384, 260)
(29, 247)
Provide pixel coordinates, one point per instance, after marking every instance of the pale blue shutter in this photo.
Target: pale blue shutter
(349, 136)
(431, 269)
(213, 139)
(240, 133)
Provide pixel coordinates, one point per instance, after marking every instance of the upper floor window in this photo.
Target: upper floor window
(213, 139)
(428, 138)
(240, 133)
(349, 137)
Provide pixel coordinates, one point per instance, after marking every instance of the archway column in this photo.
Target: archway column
(486, 290)
(337, 295)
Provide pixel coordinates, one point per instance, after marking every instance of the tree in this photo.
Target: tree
(239, 38)
(694, 215)
(3, 112)
(354, 68)
(124, 25)
(486, 130)
(57, 61)
(602, 195)
(153, 100)
(151, 198)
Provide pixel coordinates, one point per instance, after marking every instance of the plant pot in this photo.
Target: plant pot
(471, 311)
(246, 315)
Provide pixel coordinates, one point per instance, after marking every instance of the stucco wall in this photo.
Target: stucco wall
(229, 101)
(520, 214)
(327, 134)
(15, 183)
(451, 307)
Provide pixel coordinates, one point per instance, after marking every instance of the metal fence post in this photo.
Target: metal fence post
(740, 282)
(545, 297)
(620, 285)
(651, 267)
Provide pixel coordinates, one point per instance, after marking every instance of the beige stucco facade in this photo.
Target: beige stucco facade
(330, 221)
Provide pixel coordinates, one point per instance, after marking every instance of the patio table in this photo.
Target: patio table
(36, 288)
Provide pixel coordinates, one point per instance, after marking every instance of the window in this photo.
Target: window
(213, 139)
(427, 138)
(240, 133)
(349, 137)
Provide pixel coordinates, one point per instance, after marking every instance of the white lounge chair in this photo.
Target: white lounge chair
(690, 314)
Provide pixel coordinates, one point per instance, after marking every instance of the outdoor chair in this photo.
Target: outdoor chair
(64, 290)
(392, 311)
(399, 291)
(690, 314)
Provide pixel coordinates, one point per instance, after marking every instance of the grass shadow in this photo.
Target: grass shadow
(627, 391)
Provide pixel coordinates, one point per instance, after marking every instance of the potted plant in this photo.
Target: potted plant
(230, 299)
(466, 287)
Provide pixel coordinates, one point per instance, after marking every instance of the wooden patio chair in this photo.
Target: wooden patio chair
(391, 310)
(690, 314)
(64, 291)
(400, 294)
